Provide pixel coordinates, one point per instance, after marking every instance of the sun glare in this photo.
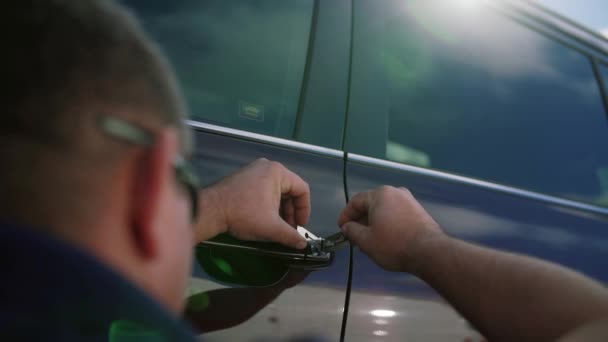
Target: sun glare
(469, 4)
(383, 313)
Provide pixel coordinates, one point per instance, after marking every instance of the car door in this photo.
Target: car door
(263, 79)
(497, 127)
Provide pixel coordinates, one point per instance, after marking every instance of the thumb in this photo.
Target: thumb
(356, 233)
(281, 232)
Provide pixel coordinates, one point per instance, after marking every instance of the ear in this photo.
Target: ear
(152, 177)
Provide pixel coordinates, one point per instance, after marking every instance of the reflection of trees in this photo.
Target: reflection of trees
(230, 51)
(481, 95)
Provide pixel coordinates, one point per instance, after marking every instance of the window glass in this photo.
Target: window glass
(455, 86)
(240, 63)
(604, 75)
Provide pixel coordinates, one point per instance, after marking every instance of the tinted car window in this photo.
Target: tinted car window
(604, 75)
(240, 63)
(461, 88)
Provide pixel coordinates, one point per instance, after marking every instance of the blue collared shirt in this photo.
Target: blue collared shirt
(53, 291)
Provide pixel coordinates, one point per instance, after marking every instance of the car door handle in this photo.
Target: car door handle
(306, 259)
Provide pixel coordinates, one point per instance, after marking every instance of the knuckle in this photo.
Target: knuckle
(386, 190)
(275, 166)
(406, 191)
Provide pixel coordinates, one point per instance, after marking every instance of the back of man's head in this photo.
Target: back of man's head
(65, 62)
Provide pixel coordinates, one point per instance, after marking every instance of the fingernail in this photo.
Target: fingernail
(302, 245)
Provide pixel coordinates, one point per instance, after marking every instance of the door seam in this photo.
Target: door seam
(350, 258)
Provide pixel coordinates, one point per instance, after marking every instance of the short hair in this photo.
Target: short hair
(61, 62)
(64, 54)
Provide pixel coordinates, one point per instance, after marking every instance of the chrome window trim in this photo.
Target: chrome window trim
(256, 137)
(478, 183)
(556, 26)
(357, 158)
(596, 44)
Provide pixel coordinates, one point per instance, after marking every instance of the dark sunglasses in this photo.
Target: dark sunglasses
(184, 172)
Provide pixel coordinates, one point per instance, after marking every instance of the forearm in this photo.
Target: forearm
(510, 297)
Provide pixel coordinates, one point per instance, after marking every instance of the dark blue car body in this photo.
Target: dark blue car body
(326, 88)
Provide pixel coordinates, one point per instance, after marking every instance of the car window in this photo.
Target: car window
(240, 63)
(464, 89)
(604, 76)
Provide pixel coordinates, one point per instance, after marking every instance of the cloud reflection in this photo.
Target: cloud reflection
(473, 224)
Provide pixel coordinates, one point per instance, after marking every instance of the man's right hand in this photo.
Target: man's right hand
(262, 201)
(389, 225)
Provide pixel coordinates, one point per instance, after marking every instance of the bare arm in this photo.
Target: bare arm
(507, 297)
(510, 297)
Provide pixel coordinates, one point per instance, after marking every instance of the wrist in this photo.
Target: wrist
(212, 220)
(427, 248)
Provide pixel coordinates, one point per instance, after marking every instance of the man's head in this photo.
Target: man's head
(66, 65)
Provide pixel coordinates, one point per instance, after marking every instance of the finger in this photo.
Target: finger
(281, 232)
(357, 234)
(282, 209)
(299, 192)
(288, 212)
(363, 220)
(357, 207)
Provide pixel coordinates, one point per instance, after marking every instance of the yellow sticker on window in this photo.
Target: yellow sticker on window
(251, 111)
